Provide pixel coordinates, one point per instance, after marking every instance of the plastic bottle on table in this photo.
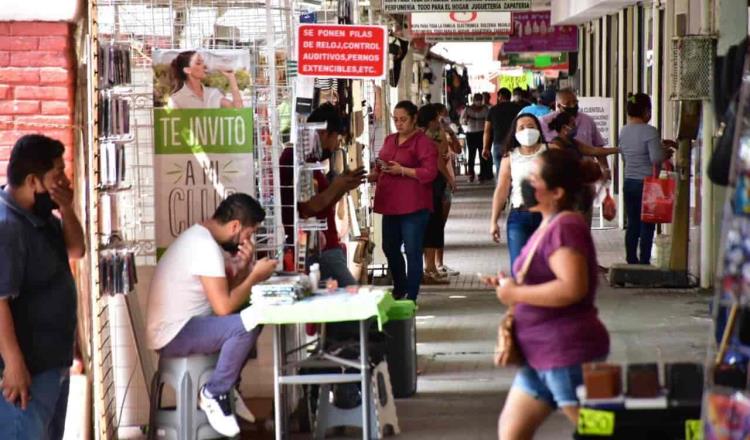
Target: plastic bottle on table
(315, 275)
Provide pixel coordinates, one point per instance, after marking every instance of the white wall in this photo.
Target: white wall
(40, 10)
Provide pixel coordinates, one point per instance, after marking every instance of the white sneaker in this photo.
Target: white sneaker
(219, 413)
(448, 271)
(240, 409)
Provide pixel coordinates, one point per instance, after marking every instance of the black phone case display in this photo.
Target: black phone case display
(726, 407)
(114, 65)
(114, 116)
(117, 271)
(117, 263)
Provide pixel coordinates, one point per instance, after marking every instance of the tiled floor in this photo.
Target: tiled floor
(460, 393)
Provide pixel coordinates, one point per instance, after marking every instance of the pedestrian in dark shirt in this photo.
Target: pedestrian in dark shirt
(496, 127)
(37, 290)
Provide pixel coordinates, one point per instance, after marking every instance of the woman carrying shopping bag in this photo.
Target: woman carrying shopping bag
(642, 151)
(556, 323)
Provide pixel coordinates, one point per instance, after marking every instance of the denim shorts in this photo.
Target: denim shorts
(556, 386)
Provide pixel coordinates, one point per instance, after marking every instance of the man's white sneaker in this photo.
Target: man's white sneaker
(240, 409)
(445, 270)
(219, 413)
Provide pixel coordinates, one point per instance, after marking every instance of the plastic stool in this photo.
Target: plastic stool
(187, 422)
(382, 412)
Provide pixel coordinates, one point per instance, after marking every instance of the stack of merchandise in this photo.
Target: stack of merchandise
(281, 290)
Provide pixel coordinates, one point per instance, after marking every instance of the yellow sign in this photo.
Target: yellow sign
(511, 82)
(596, 422)
(693, 430)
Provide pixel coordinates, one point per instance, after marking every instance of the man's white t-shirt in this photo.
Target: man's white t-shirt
(186, 98)
(176, 293)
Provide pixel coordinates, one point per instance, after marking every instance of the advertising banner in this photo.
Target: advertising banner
(532, 32)
(342, 51)
(600, 109)
(512, 80)
(460, 23)
(409, 6)
(203, 136)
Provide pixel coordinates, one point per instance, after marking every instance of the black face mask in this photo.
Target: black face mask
(232, 246)
(528, 194)
(43, 205)
(573, 111)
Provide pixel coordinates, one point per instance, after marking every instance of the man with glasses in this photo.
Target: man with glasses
(586, 131)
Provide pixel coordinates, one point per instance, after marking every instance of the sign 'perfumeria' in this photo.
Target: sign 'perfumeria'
(407, 6)
(342, 51)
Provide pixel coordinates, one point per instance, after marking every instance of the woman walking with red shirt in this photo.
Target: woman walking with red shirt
(406, 167)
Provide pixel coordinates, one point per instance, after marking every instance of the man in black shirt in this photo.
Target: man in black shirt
(37, 291)
(496, 127)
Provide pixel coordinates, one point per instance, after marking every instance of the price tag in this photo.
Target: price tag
(596, 422)
(693, 430)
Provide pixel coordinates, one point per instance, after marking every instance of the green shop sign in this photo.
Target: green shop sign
(209, 131)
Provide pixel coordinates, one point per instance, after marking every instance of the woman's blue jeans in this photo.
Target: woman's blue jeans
(521, 225)
(637, 231)
(407, 229)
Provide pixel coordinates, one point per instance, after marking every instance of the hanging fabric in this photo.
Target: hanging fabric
(114, 64)
(117, 271)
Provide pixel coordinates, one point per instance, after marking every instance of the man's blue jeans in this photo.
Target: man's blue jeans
(521, 225)
(637, 231)
(44, 417)
(407, 229)
(333, 264)
(497, 157)
(225, 335)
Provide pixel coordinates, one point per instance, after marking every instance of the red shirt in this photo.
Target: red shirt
(286, 178)
(398, 195)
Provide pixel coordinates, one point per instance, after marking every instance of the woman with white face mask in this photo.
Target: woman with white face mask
(524, 144)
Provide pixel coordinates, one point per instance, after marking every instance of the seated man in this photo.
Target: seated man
(193, 306)
(332, 258)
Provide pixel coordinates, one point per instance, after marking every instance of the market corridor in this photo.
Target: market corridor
(460, 392)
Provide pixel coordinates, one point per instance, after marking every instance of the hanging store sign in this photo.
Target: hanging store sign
(342, 51)
(461, 23)
(203, 145)
(410, 6)
(512, 80)
(532, 32)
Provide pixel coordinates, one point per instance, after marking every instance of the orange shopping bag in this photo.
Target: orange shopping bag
(658, 199)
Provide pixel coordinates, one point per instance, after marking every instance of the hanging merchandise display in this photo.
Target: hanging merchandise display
(114, 64)
(727, 408)
(397, 49)
(114, 116)
(117, 270)
(160, 159)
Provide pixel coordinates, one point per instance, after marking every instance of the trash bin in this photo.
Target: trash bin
(401, 348)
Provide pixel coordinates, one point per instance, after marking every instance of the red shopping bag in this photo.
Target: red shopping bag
(658, 199)
(609, 207)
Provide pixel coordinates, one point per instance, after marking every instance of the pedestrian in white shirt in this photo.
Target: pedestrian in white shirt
(193, 305)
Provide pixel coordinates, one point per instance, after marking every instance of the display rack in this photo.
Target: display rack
(726, 402)
(127, 221)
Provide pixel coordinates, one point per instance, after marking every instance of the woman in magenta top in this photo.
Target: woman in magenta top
(405, 169)
(557, 324)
